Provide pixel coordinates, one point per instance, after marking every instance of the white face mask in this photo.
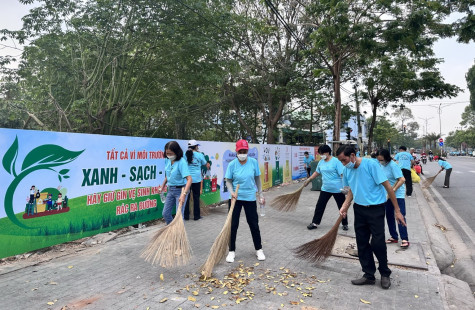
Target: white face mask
(324, 157)
(242, 157)
(172, 157)
(350, 165)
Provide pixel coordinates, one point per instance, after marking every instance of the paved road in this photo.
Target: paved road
(460, 197)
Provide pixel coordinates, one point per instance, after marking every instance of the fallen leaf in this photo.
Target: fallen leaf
(161, 277)
(50, 303)
(214, 307)
(416, 296)
(295, 303)
(212, 298)
(70, 267)
(52, 283)
(365, 301)
(256, 264)
(34, 289)
(197, 305)
(225, 292)
(191, 298)
(163, 300)
(195, 293)
(148, 308)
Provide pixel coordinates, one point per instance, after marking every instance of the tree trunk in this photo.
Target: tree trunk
(374, 108)
(336, 88)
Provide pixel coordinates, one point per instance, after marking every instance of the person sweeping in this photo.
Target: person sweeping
(177, 176)
(331, 170)
(195, 160)
(396, 179)
(448, 170)
(244, 171)
(367, 184)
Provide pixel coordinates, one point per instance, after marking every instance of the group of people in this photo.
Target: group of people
(377, 189)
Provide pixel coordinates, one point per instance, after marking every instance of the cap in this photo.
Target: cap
(242, 145)
(192, 143)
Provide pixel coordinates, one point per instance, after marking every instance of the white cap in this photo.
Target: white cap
(192, 143)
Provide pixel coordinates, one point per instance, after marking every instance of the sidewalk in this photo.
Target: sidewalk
(113, 276)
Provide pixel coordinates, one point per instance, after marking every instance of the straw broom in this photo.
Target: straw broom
(287, 202)
(318, 250)
(221, 244)
(169, 247)
(204, 209)
(427, 182)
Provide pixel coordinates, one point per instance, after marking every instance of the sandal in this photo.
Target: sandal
(405, 244)
(391, 240)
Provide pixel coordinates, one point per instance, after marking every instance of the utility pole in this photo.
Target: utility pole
(439, 111)
(358, 121)
(425, 127)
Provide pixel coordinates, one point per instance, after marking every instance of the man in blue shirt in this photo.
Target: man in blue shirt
(306, 162)
(368, 188)
(405, 160)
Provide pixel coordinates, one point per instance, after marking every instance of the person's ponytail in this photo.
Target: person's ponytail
(189, 155)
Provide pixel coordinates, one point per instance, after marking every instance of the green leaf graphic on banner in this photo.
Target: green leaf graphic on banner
(50, 155)
(43, 157)
(9, 159)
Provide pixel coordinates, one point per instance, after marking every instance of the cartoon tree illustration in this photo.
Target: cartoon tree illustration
(42, 157)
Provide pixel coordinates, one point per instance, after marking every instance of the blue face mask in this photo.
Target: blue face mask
(350, 165)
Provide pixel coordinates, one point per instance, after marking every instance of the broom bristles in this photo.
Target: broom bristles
(428, 181)
(287, 202)
(169, 247)
(320, 249)
(221, 244)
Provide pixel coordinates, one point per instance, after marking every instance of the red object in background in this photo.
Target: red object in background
(214, 184)
(418, 169)
(266, 172)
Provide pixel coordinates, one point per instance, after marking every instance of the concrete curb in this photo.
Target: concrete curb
(451, 254)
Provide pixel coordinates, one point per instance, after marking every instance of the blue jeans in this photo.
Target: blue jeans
(392, 221)
(173, 194)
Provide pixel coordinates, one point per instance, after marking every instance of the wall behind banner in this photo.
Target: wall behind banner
(104, 182)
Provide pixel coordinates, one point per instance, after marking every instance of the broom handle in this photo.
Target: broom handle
(180, 204)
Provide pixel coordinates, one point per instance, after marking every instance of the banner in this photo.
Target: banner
(298, 170)
(58, 187)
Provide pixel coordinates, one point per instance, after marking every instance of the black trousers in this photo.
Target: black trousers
(447, 177)
(308, 171)
(407, 175)
(369, 224)
(195, 191)
(322, 204)
(250, 208)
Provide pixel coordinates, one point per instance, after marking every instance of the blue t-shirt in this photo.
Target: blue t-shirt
(445, 164)
(176, 174)
(195, 166)
(365, 182)
(244, 176)
(404, 160)
(393, 172)
(308, 160)
(331, 172)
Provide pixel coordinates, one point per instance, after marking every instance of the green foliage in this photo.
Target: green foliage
(470, 78)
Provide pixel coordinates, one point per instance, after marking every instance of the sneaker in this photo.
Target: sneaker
(345, 227)
(362, 281)
(260, 255)
(231, 256)
(385, 282)
(312, 226)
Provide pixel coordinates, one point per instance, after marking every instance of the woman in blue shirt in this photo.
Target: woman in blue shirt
(195, 160)
(448, 170)
(244, 171)
(331, 170)
(306, 162)
(177, 176)
(396, 179)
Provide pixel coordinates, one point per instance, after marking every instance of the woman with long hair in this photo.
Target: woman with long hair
(331, 170)
(177, 176)
(195, 160)
(396, 179)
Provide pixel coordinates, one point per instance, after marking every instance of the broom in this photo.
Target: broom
(204, 208)
(318, 250)
(169, 247)
(220, 245)
(287, 202)
(427, 182)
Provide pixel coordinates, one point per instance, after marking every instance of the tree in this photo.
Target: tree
(468, 118)
(383, 131)
(470, 77)
(464, 27)
(432, 139)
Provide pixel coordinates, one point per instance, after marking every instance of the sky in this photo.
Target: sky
(457, 59)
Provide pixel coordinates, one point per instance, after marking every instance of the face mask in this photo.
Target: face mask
(242, 157)
(383, 163)
(324, 157)
(172, 158)
(350, 165)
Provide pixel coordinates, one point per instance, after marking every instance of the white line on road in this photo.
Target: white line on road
(472, 171)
